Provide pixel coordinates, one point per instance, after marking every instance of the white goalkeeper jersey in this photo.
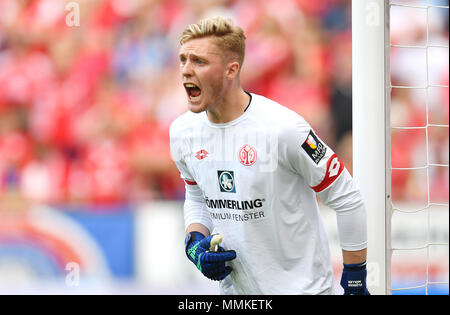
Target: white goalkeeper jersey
(256, 179)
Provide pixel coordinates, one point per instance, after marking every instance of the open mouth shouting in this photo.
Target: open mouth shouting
(193, 91)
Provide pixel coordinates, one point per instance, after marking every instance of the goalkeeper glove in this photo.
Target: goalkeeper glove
(354, 279)
(211, 264)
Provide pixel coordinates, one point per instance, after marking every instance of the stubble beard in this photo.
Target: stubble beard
(211, 103)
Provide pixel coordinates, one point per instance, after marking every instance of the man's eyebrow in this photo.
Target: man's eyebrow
(191, 55)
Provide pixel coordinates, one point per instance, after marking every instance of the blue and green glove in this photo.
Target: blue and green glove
(354, 279)
(210, 263)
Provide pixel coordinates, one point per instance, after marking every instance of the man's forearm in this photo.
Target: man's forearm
(198, 227)
(354, 257)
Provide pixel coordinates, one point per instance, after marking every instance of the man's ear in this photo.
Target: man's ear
(232, 70)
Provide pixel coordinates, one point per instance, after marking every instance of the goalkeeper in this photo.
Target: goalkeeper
(252, 169)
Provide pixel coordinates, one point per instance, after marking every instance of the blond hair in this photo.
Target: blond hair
(227, 36)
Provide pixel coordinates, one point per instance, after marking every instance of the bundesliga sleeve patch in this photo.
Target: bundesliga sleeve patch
(314, 148)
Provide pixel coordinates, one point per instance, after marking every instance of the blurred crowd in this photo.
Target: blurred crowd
(85, 109)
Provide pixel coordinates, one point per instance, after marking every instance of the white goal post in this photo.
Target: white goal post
(372, 168)
(371, 132)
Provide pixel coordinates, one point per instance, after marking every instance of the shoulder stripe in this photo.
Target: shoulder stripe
(334, 169)
(190, 182)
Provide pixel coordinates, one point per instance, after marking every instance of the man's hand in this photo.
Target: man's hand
(211, 264)
(354, 279)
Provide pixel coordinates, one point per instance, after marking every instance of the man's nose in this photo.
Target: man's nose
(186, 69)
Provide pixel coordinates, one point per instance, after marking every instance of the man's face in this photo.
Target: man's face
(203, 73)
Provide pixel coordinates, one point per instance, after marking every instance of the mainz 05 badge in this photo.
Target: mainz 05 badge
(315, 149)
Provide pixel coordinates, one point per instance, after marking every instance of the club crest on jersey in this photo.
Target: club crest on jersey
(314, 148)
(247, 155)
(226, 181)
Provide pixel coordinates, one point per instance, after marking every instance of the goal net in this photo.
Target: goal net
(400, 141)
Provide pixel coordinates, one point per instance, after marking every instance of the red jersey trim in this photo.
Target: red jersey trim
(334, 169)
(189, 182)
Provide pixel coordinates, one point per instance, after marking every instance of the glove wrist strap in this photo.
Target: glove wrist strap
(355, 267)
(193, 236)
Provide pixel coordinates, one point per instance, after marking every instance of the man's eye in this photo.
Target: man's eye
(200, 62)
